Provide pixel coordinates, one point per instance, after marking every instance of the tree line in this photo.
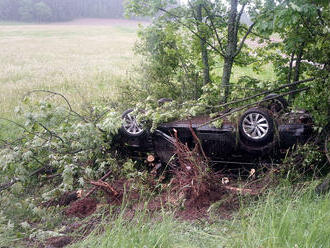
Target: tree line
(59, 10)
(191, 49)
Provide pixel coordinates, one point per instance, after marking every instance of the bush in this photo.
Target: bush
(58, 140)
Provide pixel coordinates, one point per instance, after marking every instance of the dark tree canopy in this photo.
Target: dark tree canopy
(58, 10)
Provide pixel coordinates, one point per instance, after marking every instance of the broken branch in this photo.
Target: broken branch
(101, 179)
(265, 92)
(251, 104)
(241, 190)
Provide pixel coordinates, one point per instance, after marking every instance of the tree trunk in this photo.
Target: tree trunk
(290, 68)
(297, 69)
(205, 59)
(226, 72)
(230, 49)
(298, 62)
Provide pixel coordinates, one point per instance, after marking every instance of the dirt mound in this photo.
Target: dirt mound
(63, 200)
(193, 181)
(58, 242)
(82, 208)
(193, 189)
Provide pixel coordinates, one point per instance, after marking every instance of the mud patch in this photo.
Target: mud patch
(58, 242)
(82, 208)
(63, 200)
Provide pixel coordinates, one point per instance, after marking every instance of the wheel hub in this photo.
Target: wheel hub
(131, 125)
(255, 126)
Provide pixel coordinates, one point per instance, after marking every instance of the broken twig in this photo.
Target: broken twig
(251, 104)
(95, 187)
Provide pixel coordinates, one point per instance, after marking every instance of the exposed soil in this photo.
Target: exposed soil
(58, 242)
(191, 193)
(189, 198)
(82, 208)
(63, 200)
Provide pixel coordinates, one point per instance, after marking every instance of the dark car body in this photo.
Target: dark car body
(233, 141)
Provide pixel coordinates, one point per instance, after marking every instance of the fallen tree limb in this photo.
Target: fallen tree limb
(61, 95)
(8, 184)
(104, 185)
(249, 105)
(21, 126)
(241, 190)
(197, 140)
(265, 92)
(95, 187)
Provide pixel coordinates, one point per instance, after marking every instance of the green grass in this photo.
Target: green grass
(145, 230)
(282, 218)
(83, 62)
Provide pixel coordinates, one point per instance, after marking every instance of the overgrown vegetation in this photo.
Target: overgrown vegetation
(56, 139)
(176, 64)
(58, 10)
(284, 217)
(60, 148)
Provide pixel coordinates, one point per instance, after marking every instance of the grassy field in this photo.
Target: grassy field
(283, 218)
(84, 62)
(88, 61)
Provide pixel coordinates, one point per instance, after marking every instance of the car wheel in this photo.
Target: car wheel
(256, 126)
(276, 104)
(130, 126)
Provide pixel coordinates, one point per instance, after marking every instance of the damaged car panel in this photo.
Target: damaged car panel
(260, 131)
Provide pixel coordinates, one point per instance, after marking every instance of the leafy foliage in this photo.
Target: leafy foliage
(58, 140)
(58, 10)
(186, 44)
(302, 50)
(170, 68)
(303, 162)
(293, 38)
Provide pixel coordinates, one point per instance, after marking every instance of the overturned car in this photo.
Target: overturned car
(264, 130)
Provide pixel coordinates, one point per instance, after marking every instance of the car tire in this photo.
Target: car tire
(130, 126)
(276, 104)
(256, 127)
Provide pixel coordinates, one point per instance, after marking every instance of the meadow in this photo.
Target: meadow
(88, 61)
(84, 62)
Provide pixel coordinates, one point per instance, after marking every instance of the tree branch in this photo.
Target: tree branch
(95, 188)
(58, 94)
(8, 184)
(265, 92)
(214, 29)
(50, 132)
(239, 17)
(21, 126)
(244, 38)
(193, 32)
(251, 104)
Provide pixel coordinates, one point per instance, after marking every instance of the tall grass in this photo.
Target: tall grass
(145, 230)
(284, 218)
(85, 63)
